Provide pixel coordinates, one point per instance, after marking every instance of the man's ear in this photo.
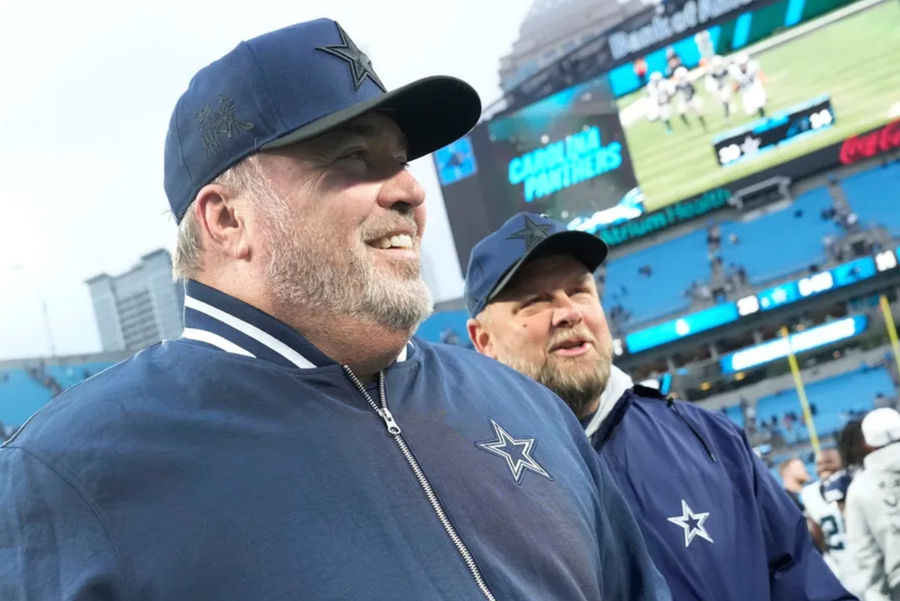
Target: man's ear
(222, 217)
(481, 338)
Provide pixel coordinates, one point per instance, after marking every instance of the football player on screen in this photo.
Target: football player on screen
(748, 80)
(660, 93)
(718, 83)
(688, 99)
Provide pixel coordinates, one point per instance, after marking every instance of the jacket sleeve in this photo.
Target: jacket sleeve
(797, 571)
(628, 571)
(52, 544)
(864, 552)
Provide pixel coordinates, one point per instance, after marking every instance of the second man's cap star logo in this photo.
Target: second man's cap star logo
(360, 65)
(532, 233)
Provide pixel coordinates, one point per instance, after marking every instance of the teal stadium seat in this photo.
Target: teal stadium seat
(674, 265)
(446, 326)
(20, 396)
(735, 414)
(835, 399)
(874, 196)
(780, 243)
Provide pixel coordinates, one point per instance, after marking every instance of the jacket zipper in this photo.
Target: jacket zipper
(671, 405)
(394, 430)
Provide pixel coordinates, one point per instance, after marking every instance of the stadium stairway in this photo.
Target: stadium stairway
(780, 243)
(874, 196)
(674, 265)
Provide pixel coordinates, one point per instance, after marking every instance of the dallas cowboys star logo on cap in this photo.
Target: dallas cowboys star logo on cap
(516, 452)
(532, 233)
(692, 523)
(360, 65)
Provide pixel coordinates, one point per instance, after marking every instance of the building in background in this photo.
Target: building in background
(139, 307)
(554, 28)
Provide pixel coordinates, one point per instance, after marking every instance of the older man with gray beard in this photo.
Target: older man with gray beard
(294, 443)
(716, 523)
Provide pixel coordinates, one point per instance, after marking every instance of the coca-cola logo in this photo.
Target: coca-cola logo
(857, 148)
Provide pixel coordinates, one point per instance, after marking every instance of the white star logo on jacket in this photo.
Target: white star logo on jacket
(516, 452)
(692, 523)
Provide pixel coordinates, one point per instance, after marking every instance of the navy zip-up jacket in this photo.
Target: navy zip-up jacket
(717, 524)
(239, 463)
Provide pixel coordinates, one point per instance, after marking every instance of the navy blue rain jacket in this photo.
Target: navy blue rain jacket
(239, 463)
(717, 524)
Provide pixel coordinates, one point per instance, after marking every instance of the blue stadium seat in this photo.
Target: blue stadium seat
(835, 400)
(674, 265)
(780, 243)
(446, 326)
(874, 196)
(69, 375)
(20, 396)
(735, 414)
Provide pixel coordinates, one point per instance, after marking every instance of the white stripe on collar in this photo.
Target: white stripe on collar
(251, 331)
(216, 341)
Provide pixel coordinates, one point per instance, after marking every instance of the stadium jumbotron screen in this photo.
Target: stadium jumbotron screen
(696, 117)
(733, 100)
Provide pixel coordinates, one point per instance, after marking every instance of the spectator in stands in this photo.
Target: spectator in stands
(714, 237)
(793, 477)
(717, 523)
(255, 458)
(873, 508)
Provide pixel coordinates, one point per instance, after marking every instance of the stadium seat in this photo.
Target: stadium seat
(20, 396)
(780, 243)
(735, 414)
(674, 265)
(69, 375)
(874, 196)
(835, 399)
(446, 326)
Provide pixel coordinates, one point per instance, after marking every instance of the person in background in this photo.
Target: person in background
(823, 501)
(716, 522)
(873, 509)
(852, 447)
(794, 477)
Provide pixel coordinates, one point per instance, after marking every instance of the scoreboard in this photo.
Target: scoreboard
(788, 125)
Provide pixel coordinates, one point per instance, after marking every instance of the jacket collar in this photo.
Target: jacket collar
(231, 325)
(616, 386)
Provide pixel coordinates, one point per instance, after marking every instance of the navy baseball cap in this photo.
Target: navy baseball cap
(498, 257)
(290, 85)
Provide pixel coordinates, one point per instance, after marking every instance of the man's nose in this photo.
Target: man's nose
(401, 188)
(566, 313)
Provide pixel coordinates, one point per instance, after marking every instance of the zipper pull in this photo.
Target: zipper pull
(392, 427)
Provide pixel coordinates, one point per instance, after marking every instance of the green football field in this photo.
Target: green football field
(855, 60)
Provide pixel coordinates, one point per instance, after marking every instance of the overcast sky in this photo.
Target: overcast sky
(88, 88)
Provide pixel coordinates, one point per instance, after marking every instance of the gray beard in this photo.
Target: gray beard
(306, 269)
(577, 390)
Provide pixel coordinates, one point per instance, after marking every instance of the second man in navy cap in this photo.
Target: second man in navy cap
(717, 524)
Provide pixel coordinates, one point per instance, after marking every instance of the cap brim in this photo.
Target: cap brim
(587, 248)
(432, 112)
